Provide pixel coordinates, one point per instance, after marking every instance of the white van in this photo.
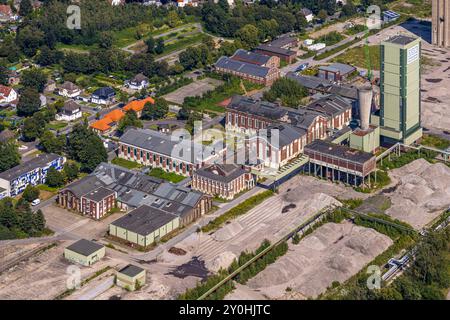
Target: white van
(35, 202)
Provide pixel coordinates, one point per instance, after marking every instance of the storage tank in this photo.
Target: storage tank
(365, 95)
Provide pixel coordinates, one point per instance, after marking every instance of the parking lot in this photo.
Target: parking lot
(196, 88)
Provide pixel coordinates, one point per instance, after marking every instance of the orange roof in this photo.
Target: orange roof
(102, 124)
(114, 115)
(138, 105)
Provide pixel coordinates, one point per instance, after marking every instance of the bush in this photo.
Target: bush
(54, 178)
(30, 193)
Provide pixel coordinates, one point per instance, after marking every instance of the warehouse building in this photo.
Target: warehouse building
(33, 172)
(256, 58)
(145, 225)
(130, 277)
(284, 54)
(336, 72)
(84, 252)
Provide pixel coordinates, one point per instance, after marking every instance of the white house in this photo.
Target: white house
(138, 82)
(105, 95)
(307, 14)
(69, 90)
(69, 112)
(7, 94)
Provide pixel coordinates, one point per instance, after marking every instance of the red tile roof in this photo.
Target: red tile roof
(138, 105)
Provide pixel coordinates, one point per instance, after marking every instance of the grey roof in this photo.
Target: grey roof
(306, 11)
(256, 107)
(330, 105)
(283, 41)
(324, 85)
(242, 67)
(339, 151)
(40, 161)
(131, 270)
(144, 220)
(250, 57)
(139, 78)
(182, 149)
(286, 133)
(84, 247)
(69, 86)
(85, 185)
(275, 49)
(338, 68)
(222, 172)
(70, 106)
(99, 194)
(179, 194)
(401, 39)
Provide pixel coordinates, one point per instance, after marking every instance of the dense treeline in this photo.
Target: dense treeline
(18, 221)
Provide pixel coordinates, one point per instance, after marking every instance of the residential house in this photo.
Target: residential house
(7, 95)
(69, 90)
(6, 14)
(248, 71)
(139, 82)
(105, 95)
(307, 14)
(223, 180)
(69, 112)
(33, 172)
(108, 122)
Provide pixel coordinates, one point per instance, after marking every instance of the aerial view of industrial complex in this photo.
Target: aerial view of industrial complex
(225, 150)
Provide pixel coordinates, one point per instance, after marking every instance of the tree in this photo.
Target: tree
(159, 48)
(151, 43)
(129, 120)
(172, 19)
(105, 40)
(289, 91)
(71, 171)
(34, 78)
(248, 35)
(155, 111)
(52, 144)
(322, 15)
(49, 56)
(9, 156)
(348, 9)
(39, 221)
(54, 178)
(29, 102)
(25, 8)
(33, 127)
(30, 193)
(86, 147)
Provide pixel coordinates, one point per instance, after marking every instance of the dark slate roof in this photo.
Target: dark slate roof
(84, 247)
(104, 93)
(286, 133)
(144, 220)
(339, 151)
(259, 108)
(242, 67)
(330, 105)
(283, 41)
(161, 143)
(40, 161)
(250, 57)
(338, 68)
(70, 106)
(222, 172)
(275, 49)
(131, 270)
(85, 185)
(99, 194)
(324, 85)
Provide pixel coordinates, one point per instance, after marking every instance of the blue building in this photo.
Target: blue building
(389, 16)
(15, 180)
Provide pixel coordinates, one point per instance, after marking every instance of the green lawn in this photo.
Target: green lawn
(182, 43)
(357, 57)
(169, 176)
(435, 142)
(56, 125)
(125, 163)
(416, 8)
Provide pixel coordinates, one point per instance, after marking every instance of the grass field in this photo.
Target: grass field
(125, 163)
(416, 8)
(181, 43)
(168, 176)
(356, 57)
(56, 125)
(435, 142)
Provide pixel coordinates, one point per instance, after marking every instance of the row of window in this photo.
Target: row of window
(161, 159)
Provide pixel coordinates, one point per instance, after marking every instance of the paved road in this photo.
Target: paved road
(98, 290)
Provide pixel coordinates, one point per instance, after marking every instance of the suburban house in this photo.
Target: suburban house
(139, 82)
(138, 105)
(13, 77)
(69, 90)
(286, 55)
(69, 112)
(256, 58)
(336, 71)
(307, 14)
(223, 180)
(105, 95)
(33, 172)
(84, 252)
(113, 186)
(108, 122)
(6, 14)
(249, 71)
(130, 276)
(158, 150)
(7, 95)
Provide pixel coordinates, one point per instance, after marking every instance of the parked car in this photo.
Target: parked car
(35, 202)
(302, 67)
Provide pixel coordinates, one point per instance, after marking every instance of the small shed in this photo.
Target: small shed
(84, 252)
(130, 276)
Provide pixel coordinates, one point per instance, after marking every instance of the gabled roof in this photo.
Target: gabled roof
(5, 10)
(250, 57)
(69, 86)
(102, 124)
(5, 91)
(139, 78)
(275, 49)
(330, 105)
(222, 172)
(115, 115)
(104, 93)
(70, 106)
(138, 105)
(242, 67)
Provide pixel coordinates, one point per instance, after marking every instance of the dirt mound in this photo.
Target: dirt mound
(222, 261)
(177, 251)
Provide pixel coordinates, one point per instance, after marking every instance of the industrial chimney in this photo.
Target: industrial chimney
(365, 94)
